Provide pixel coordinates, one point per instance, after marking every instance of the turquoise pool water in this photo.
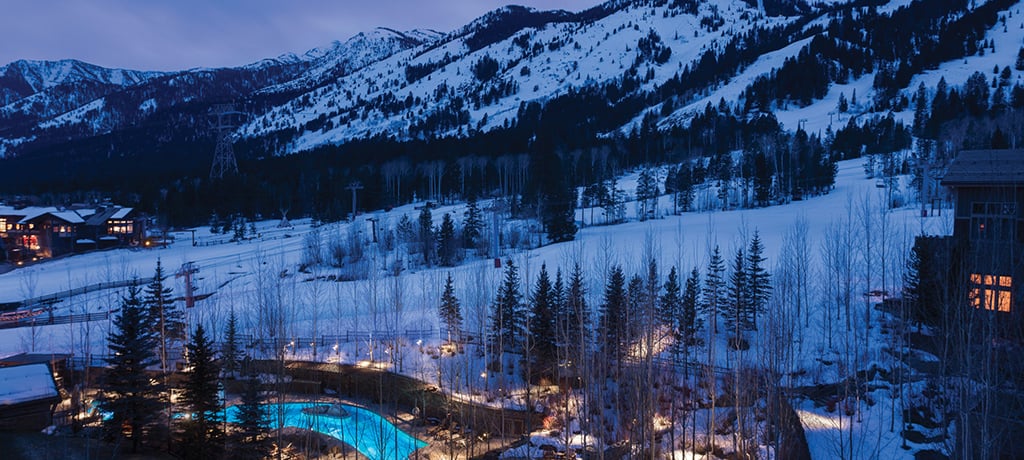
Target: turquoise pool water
(370, 434)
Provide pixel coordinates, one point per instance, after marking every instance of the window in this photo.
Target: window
(991, 292)
(121, 227)
(993, 221)
(30, 241)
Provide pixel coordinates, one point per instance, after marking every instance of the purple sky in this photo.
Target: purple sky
(181, 34)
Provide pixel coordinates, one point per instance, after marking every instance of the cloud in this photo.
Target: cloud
(182, 34)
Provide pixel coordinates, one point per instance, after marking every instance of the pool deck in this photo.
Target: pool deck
(434, 436)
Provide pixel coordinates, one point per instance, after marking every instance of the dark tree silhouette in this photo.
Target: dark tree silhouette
(202, 434)
(129, 393)
(449, 311)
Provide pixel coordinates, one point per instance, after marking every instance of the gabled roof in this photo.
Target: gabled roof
(122, 213)
(100, 217)
(71, 217)
(27, 214)
(104, 215)
(31, 382)
(986, 167)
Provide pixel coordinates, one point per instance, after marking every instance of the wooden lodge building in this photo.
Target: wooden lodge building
(28, 396)
(988, 189)
(32, 233)
(986, 258)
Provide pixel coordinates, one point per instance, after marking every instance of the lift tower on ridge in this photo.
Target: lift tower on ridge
(223, 121)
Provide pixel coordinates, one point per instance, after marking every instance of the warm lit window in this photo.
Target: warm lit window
(122, 227)
(991, 292)
(30, 241)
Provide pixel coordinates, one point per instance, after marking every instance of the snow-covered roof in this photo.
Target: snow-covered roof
(19, 384)
(121, 213)
(32, 213)
(103, 215)
(70, 217)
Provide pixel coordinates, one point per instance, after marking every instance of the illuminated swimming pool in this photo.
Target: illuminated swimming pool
(370, 434)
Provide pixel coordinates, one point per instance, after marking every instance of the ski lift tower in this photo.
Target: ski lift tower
(186, 271)
(223, 121)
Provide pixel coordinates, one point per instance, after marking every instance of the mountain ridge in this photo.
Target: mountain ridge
(657, 61)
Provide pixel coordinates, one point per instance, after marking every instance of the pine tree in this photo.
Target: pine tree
(449, 310)
(670, 307)
(406, 230)
(542, 326)
(613, 314)
(714, 289)
(231, 351)
(473, 224)
(636, 298)
(201, 430)
(446, 244)
(976, 94)
(922, 285)
(130, 397)
(507, 317)
(560, 306)
(684, 183)
(920, 110)
(166, 318)
(239, 229)
(738, 304)
(724, 165)
(671, 187)
(689, 324)
(762, 180)
(759, 282)
(647, 193)
(249, 439)
(426, 235)
(578, 312)
(556, 196)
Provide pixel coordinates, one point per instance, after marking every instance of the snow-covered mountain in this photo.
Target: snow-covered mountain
(649, 62)
(342, 58)
(24, 78)
(44, 101)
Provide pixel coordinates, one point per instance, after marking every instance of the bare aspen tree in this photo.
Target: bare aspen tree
(28, 283)
(795, 264)
(396, 315)
(314, 292)
(868, 258)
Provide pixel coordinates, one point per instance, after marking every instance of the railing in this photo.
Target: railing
(44, 319)
(298, 342)
(695, 367)
(48, 299)
(81, 362)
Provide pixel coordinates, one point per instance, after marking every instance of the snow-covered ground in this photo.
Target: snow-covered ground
(261, 279)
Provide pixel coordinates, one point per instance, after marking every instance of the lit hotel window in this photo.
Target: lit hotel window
(991, 292)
